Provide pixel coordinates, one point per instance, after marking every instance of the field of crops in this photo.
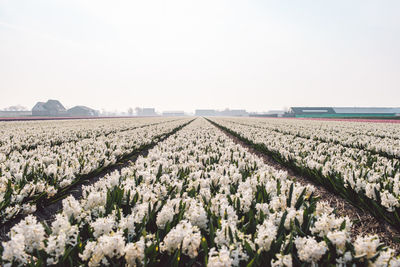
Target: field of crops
(359, 161)
(195, 198)
(40, 159)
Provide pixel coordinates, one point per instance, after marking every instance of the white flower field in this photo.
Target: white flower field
(359, 161)
(37, 160)
(196, 198)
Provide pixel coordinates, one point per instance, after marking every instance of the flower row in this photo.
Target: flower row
(369, 180)
(379, 138)
(38, 174)
(27, 135)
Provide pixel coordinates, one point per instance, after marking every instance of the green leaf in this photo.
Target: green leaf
(289, 199)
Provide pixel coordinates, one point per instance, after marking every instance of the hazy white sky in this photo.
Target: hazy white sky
(183, 55)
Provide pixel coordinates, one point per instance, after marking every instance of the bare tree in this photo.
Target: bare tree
(138, 110)
(16, 108)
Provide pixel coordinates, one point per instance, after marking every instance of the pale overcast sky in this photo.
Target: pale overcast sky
(183, 55)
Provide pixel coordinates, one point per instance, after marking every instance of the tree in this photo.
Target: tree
(16, 108)
(138, 111)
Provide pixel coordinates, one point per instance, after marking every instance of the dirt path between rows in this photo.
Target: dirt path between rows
(46, 212)
(363, 222)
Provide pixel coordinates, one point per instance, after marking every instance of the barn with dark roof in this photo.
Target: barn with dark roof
(82, 111)
(49, 108)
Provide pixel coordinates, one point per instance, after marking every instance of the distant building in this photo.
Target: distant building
(49, 108)
(271, 113)
(342, 112)
(206, 112)
(226, 112)
(234, 113)
(173, 113)
(8, 113)
(39, 109)
(146, 112)
(278, 112)
(53, 108)
(82, 111)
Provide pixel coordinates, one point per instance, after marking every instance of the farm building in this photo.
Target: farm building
(49, 108)
(12, 113)
(146, 112)
(206, 112)
(234, 113)
(342, 112)
(53, 108)
(271, 113)
(226, 112)
(82, 111)
(173, 113)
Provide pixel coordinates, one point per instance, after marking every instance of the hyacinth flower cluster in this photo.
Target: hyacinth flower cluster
(369, 180)
(31, 174)
(196, 199)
